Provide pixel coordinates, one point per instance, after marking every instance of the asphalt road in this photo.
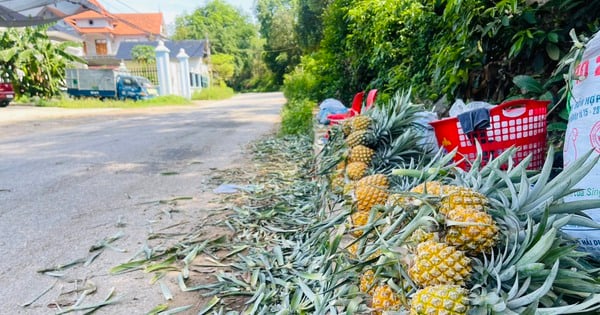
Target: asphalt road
(71, 178)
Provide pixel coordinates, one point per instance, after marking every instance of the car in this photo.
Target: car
(7, 93)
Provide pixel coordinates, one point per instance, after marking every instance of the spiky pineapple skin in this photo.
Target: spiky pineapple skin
(472, 231)
(463, 197)
(357, 220)
(361, 122)
(438, 263)
(385, 299)
(358, 137)
(440, 300)
(370, 191)
(356, 170)
(366, 282)
(361, 153)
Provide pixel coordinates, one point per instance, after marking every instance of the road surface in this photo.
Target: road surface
(72, 178)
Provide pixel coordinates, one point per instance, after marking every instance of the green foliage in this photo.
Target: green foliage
(309, 28)
(297, 118)
(144, 54)
(223, 66)
(229, 32)
(301, 84)
(277, 20)
(213, 93)
(471, 49)
(34, 64)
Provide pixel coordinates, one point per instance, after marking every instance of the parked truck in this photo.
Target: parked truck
(108, 83)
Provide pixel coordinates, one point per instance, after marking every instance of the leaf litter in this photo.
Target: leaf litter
(275, 241)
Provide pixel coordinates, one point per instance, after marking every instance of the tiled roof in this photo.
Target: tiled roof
(123, 23)
(193, 48)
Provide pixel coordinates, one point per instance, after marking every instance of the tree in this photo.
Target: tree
(228, 30)
(144, 54)
(35, 65)
(309, 28)
(277, 20)
(223, 67)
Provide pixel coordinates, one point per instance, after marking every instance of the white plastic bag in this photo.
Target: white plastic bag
(427, 140)
(583, 134)
(460, 107)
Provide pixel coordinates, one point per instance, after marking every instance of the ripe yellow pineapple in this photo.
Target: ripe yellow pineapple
(385, 299)
(361, 122)
(471, 230)
(359, 219)
(347, 126)
(432, 188)
(463, 197)
(337, 184)
(355, 138)
(438, 263)
(440, 299)
(366, 282)
(356, 170)
(436, 188)
(361, 153)
(370, 191)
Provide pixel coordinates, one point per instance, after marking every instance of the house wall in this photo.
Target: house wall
(90, 43)
(112, 43)
(95, 23)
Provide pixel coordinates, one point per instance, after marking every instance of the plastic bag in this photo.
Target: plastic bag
(425, 131)
(460, 107)
(583, 135)
(330, 106)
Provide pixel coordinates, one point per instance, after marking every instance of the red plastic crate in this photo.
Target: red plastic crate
(520, 123)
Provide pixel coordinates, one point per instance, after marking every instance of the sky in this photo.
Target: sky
(169, 8)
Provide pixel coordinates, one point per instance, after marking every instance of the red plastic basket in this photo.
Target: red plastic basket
(520, 123)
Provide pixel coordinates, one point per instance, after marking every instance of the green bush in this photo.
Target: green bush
(213, 93)
(301, 83)
(297, 118)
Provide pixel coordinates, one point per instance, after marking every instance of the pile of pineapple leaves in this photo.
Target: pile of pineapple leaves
(294, 249)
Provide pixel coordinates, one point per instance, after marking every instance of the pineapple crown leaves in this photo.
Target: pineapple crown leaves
(532, 195)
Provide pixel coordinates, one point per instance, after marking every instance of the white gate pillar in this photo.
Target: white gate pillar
(163, 69)
(184, 74)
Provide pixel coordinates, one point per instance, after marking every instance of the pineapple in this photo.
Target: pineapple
(438, 263)
(440, 300)
(462, 197)
(337, 184)
(385, 299)
(356, 170)
(361, 153)
(357, 220)
(437, 188)
(359, 137)
(348, 187)
(471, 230)
(347, 126)
(370, 191)
(366, 282)
(361, 122)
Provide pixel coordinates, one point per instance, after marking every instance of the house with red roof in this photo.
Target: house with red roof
(102, 32)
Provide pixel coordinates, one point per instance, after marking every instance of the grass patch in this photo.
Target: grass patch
(297, 118)
(66, 102)
(213, 93)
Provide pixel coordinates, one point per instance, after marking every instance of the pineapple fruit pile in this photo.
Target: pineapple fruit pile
(426, 237)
